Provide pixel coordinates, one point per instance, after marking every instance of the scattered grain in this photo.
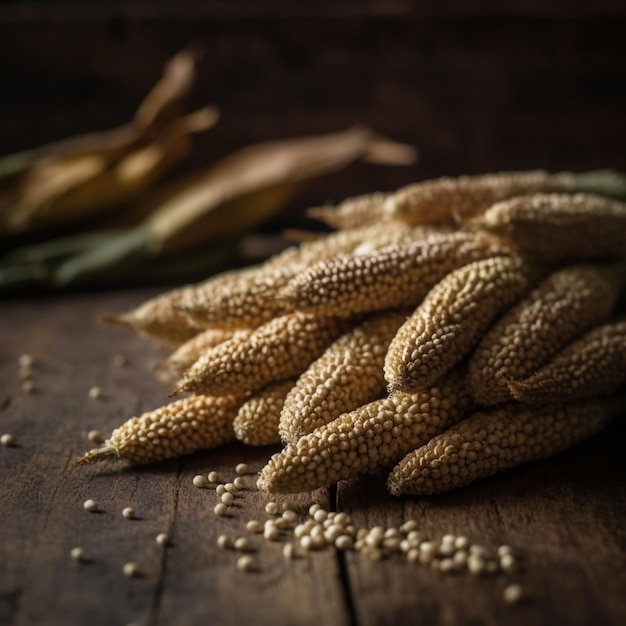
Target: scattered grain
(199, 480)
(78, 554)
(513, 594)
(95, 393)
(225, 542)
(95, 436)
(28, 386)
(131, 569)
(7, 440)
(213, 477)
(271, 508)
(253, 526)
(246, 563)
(220, 509)
(90, 505)
(163, 539)
(227, 498)
(128, 512)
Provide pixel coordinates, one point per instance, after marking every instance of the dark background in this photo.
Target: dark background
(476, 86)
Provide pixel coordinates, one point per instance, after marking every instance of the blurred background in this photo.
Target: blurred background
(475, 87)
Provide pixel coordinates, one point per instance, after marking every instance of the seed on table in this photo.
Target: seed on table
(213, 477)
(230, 487)
(95, 436)
(320, 515)
(413, 555)
(243, 544)
(246, 563)
(7, 440)
(513, 593)
(271, 508)
(288, 551)
(90, 505)
(253, 526)
(504, 549)
(239, 482)
(28, 386)
(507, 562)
(26, 360)
(220, 509)
(461, 542)
(314, 508)
(409, 526)
(199, 480)
(131, 569)
(78, 554)
(290, 516)
(220, 490)
(128, 512)
(162, 539)
(271, 533)
(227, 498)
(476, 565)
(242, 468)
(224, 542)
(95, 393)
(344, 542)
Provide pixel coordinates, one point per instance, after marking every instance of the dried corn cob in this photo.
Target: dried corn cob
(183, 427)
(451, 320)
(282, 348)
(348, 375)
(256, 423)
(372, 437)
(494, 441)
(565, 304)
(252, 301)
(593, 365)
(395, 276)
(559, 227)
(187, 354)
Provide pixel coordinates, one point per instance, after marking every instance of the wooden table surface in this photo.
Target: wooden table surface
(566, 516)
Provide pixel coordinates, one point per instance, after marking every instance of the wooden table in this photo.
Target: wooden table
(566, 516)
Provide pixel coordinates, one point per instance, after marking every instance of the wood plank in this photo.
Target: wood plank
(564, 515)
(191, 582)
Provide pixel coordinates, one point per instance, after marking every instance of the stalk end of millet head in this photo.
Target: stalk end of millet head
(107, 451)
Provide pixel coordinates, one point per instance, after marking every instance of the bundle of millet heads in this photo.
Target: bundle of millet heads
(443, 332)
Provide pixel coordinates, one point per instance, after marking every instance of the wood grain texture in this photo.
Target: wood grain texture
(191, 582)
(565, 515)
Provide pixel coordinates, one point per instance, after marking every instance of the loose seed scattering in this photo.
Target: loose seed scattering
(410, 342)
(7, 440)
(90, 505)
(163, 539)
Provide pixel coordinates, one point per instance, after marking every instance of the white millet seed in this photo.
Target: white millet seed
(78, 554)
(213, 477)
(253, 526)
(476, 565)
(290, 516)
(313, 509)
(128, 512)
(227, 498)
(513, 593)
(447, 566)
(461, 542)
(239, 482)
(288, 551)
(271, 508)
(26, 360)
(505, 550)
(320, 515)
(162, 539)
(224, 542)
(231, 488)
(220, 490)
(413, 555)
(507, 562)
(220, 509)
(243, 544)
(460, 559)
(28, 386)
(7, 440)
(199, 480)
(446, 548)
(344, 542)
(391, 543)
(95, 393)
(246, 563)
(409, 526)
(90, 505)
(478, 550)
(300, 530)
(343, 519)
(271, 533)
(95, 436)
(405, 546)
(242, 468)
(449, 538)
(282, 523)
(131, 569)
